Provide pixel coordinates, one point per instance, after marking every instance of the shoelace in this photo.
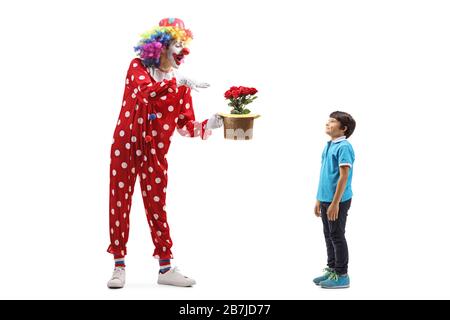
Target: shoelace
(333, 276)
(118, 272)
(177, 270)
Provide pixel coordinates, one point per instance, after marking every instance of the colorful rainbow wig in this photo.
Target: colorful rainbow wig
(152, 42)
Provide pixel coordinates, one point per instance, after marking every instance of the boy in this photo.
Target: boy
(334, 198)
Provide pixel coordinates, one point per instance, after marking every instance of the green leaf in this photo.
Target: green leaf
(246, 111)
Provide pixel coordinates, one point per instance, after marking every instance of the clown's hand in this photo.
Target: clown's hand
(214, 122)
(183, 81)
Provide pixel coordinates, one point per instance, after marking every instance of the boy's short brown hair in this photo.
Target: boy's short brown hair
(346, 120)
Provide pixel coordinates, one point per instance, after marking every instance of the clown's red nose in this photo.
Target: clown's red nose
(185, 51)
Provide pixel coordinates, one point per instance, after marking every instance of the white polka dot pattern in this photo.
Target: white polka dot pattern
(141, 149)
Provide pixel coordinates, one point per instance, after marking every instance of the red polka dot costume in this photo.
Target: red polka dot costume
(151, 111)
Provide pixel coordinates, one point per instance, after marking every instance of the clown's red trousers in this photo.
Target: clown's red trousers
(150, 113)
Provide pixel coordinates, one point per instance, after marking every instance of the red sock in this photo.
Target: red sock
(164, 265)
(119, 262)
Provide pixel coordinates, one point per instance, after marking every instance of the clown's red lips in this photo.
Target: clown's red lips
(179, 57)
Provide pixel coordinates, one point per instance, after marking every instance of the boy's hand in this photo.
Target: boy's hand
(317, 209)
(333, 212)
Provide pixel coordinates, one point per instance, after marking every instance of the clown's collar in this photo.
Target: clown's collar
(165, 71)
(160, 75)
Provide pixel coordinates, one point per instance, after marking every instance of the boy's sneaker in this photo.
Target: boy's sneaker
(117, 280)
(173, 277)
(336, 281)
(326, 275)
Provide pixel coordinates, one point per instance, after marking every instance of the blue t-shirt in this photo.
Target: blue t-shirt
(337, 153)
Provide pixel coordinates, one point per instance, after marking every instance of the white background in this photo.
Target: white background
(241, 213)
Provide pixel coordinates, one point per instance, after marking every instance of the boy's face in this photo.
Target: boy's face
(333, 128)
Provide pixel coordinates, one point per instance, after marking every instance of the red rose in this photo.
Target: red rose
(236, 92)
(253, 91)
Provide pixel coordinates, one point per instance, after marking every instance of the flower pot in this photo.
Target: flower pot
(238, 126)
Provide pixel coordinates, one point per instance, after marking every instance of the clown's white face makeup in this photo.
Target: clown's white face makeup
(176, 53)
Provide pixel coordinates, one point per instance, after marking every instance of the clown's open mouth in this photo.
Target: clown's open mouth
(178, 58)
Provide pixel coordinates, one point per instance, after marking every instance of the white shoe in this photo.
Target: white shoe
(173, 277)
(117, 280)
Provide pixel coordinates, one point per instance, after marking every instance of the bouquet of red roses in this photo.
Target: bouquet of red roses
(239, 98)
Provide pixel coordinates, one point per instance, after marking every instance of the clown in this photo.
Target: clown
(156, 101)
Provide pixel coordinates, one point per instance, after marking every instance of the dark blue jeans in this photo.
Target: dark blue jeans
(334, 232)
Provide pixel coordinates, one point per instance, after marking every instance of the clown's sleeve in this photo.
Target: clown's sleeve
(187, 126)
(145, 88)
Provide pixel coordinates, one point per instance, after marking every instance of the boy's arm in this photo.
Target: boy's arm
(317, 208)
(317, 205)
(333, 209)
